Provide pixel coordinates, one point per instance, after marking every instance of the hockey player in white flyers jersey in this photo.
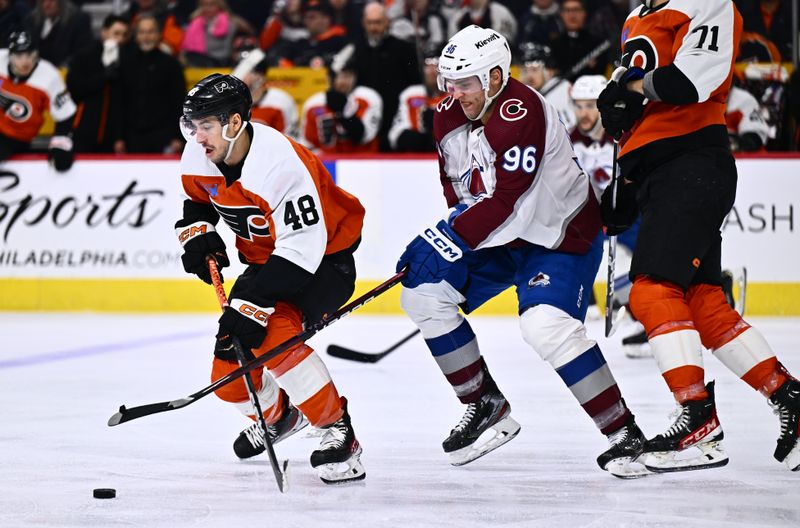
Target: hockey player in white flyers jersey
(522, 214)
(271, 106)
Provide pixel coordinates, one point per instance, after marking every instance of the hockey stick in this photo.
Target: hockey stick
(365, 357)
(577, 67)
(279, 470)
(612, 319)
(127, 414)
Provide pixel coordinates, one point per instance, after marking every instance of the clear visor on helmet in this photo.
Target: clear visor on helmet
(467, 85)
(204, 126)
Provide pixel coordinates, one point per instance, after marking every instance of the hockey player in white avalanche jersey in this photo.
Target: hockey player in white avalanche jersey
(522, 214)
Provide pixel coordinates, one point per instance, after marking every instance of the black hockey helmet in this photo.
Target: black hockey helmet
(220, 96)
(533, 52)
(21, 42)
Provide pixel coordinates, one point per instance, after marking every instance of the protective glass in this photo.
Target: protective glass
(206, 126)
(467, 85)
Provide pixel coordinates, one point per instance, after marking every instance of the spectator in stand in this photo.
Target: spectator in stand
(605, 17)
(541, 23)
(61, 29)
(386, 64)
(285, 24)
(576, 42)
(486, 14)
(323, 42)
(31, 87)
(93, 80)
(421, 24)
(347, 14)
(271, 106)
(12, 13)
(346, 117)
(170, 22)
(208, 42)
(772, 19)
(255, 13)
(412, 128)
(153, 88)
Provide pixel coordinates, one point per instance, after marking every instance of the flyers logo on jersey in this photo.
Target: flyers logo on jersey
(247, 222)
(640, 52)
(15, 107)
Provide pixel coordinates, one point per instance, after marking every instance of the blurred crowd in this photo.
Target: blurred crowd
(125, 64)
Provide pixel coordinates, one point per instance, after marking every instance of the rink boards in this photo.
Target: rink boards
(101, 236)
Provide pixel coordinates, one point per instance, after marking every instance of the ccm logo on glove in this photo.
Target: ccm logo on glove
(256, 313)
(442, 244)
(193, 230)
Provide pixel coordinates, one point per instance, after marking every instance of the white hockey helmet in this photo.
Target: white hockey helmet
(587, 87)
(475, 51)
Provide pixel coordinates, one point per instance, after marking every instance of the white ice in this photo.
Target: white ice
(63, 376)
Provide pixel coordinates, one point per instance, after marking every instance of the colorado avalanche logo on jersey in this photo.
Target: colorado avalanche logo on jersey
(247, 222)
(540, 279)
(512, 110)
(473, 178)
(15, 107)
(640, 52)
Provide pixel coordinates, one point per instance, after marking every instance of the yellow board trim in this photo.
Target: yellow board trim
(128, 295)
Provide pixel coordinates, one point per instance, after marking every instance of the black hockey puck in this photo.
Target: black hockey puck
(104, 493)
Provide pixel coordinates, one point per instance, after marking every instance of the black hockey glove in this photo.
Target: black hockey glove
(618, 219)
(60, 153)
(335, 100)
(619, 108)
(246, 321)
(200, 240)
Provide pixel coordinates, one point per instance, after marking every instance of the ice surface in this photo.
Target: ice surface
(63, 376)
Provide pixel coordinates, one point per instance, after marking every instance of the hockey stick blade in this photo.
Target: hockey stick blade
(132, 413)
(364, 357)
(125, 415)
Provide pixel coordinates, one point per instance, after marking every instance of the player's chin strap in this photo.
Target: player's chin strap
(489, 100)
(232, 141)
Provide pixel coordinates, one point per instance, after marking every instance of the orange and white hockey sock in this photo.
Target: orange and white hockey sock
(305, 378)
(270, 397)
(662, 309)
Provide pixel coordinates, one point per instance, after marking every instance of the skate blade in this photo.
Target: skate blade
(712, 455)
(638, 351)
(504, 431)
(792, 460)
(342, 472)
(626, 468)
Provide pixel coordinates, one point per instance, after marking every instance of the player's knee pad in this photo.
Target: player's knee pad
(556, 336)
(659, 305)
(433, 307)
(713, 317)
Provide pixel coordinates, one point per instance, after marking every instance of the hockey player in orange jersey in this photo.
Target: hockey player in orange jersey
(297, 232)
(30, 87)
(668, 97)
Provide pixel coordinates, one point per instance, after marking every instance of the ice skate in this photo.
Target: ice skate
(490, 417)
(621, 459)
(338, 458)
(250, 442)
(696, 428)
(786, 404)
(636, 345)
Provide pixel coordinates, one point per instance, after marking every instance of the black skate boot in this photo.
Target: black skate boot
(696, 425)
(785, 402)
(491, 411)
(338, 458)
(250, 442)
(627, 443)
(636, 346)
